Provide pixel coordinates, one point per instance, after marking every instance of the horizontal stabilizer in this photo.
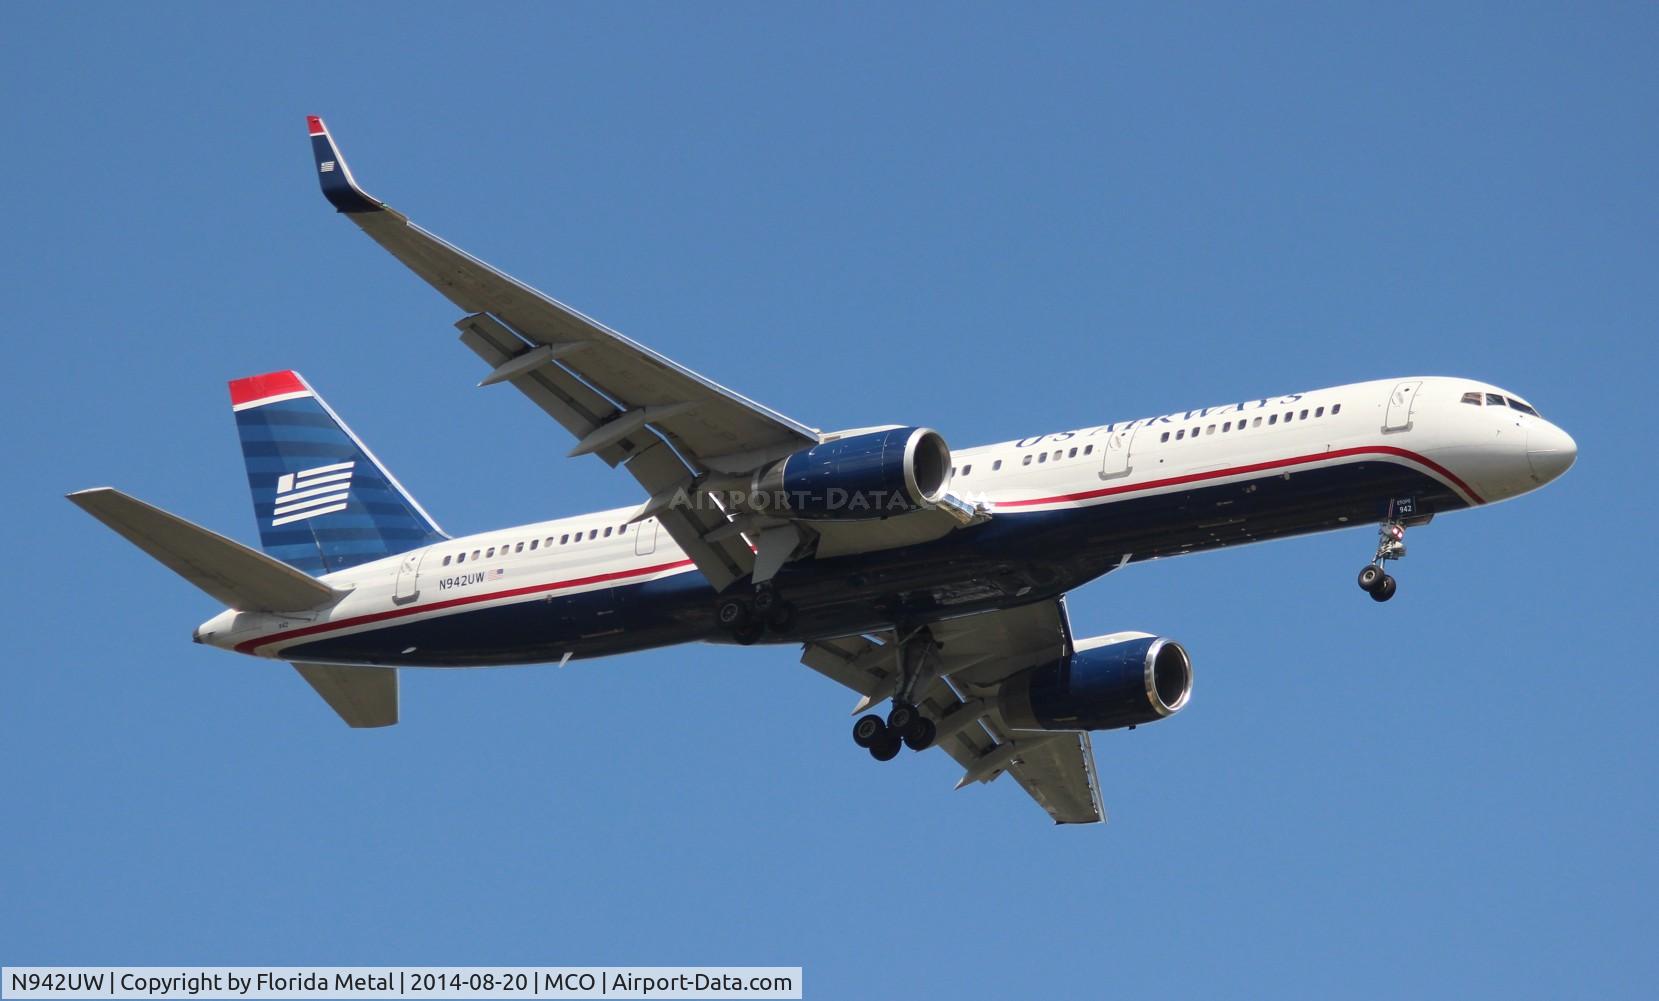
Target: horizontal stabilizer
(363, 696)
(229, 571)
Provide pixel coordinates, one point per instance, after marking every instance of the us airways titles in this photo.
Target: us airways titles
(1141, 422)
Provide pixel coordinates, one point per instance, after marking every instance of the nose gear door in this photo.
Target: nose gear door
(1400, 403)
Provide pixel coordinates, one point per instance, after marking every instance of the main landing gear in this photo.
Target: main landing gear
(905, 724)
(1391, 545)
(747, 619)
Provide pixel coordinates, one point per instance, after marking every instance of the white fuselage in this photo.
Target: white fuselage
(1482, 452)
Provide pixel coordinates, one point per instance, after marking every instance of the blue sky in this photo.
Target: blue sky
(993, 221)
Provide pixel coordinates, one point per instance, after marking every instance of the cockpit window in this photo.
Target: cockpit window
(1522, 407)
(1494, 399)
(1472, 398)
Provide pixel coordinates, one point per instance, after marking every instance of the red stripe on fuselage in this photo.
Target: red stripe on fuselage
(1256, 467)
(249, 646)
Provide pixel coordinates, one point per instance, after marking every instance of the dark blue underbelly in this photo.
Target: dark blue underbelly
(1012, 559)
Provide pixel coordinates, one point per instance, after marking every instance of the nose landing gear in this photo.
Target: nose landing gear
(1391, 545)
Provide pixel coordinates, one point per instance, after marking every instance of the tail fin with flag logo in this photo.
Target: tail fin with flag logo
(323, 501)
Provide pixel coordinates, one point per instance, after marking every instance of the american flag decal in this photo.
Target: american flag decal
(496, 574)
(311, 492)
(328, 166)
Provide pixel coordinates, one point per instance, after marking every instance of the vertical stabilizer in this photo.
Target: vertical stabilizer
(322, 500)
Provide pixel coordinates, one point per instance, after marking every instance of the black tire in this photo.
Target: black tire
(1385, 590)
(747, 633)
(920, 735)
(781, 617)
(900, 718)
(766, 599)
(732, 613)
(1371, 577)
(869, 731)
(887, 750)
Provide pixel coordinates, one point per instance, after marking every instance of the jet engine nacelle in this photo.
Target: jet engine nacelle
(1108, 682)
(875, 474)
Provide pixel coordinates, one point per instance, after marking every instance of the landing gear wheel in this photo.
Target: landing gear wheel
(1385, 590)
(732, 613)
(887, 750)
(920, 735)
(781, 617)
(869, 731)
(747, 633)
(901, 718)
(1371, 577)
(766, 599)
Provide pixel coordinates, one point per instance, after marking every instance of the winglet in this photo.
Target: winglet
(339, 187)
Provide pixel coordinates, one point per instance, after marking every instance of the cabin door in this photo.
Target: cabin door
(1400, 401)
(408, 577)
(1118, 447)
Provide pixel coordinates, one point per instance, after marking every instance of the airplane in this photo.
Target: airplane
(924, 577)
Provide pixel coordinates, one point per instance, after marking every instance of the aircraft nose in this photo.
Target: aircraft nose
(1550, 451)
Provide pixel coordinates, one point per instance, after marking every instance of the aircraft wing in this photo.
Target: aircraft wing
(622, 401)
(977, 654)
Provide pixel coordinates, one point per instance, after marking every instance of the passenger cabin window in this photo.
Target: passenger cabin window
(1336, 409)
(533, 544)
(1320, 412)
(1210, 429)
(564, 538)
(1257, 423)
(1072, 454)
(967, 469)
(996, 465)
(593, 533)
(1088, 450)
(475, 554)
(1302, 416)
(607, 531)
(1043, 457)
(447, 559)
(1027, 461)
(1165, 436)
(1180, 434)
(519, 548)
